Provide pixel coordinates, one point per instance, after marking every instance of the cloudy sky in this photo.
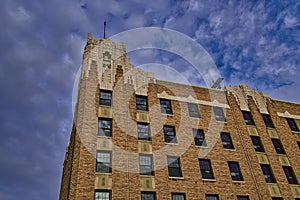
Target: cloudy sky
(252, 42)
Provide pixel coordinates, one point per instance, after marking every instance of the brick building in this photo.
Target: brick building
(136, 137)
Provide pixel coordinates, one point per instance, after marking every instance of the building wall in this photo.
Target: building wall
(80, 179)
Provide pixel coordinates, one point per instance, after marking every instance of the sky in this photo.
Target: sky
(252, 42)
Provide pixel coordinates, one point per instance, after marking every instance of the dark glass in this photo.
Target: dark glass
(289, 173)
(278, 146)
(212, 197)
(143, 130)
(103, 161)
(170, 135)
(104, 127)
(292, 124)
(226, 141)
(206, 169)
(146, 164)
(257, 144)
(199, 137)
(165, 106)
(268, 174)
(178, 196)
(102, 195)
(148, 196)
(141, 103)
(174, 166)
(105, 97)
(193, 110)
(235, 171)
(248, 118)
(219, 114)
(267, 120)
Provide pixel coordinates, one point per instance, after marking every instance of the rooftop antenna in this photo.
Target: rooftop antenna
(104, 29)
(217, 84)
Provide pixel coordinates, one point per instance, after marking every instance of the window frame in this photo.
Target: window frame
(104, 129)
(148, 134)
(268, 173)
(219, 114)
(106, 164)
(268, 121)
(105, 101)
(177, 193)
(149, 173)
(257, 147)
(206, 169)
(193, 109)
(177, 169)
(292, 124)
(199, 137)
(167, 136)
(210, 196)
(248, 118)
(166, 108)
(279, 149)
(148, 192)
(292, 179)
(139, 106)
(235, 172)
(225, 143)
(103, 191)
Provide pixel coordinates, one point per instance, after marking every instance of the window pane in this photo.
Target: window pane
(226, 141)
(193, 110)
(102, 195)
(289, 173)
(267, 121)
(212, 197)
(165, 106)
(292, 124)
(235, 171)
(243, 198)
(143, 131)
(278, 146)
(105, 127)
(219, 114)
(248, 118)
(268, 174)
(146, 165)
(148, 196)
(206, 169)
(141, 103)
(199, 137)
(257, 144)
(178, 196)
(170, 135)
(174, 166)
(105, 98)
(103, 162)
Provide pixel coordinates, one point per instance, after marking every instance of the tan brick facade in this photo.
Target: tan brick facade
(106, 67)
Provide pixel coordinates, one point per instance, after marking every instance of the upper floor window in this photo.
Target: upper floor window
(268, 174)
(298, 144)
(199, 137)
(219, 114)
(278, 146)
(292, 124)
(141, 103)
(277, 198)
(102, 195)
(289, 173)
(211, 197)
(104, 127)
(257, 144)
(103, 161)
(193, 110)
(235, 171)
(146, 164)
(242, 198)
(267, 120)
(166, 106)
(206, 169)
(148, 196)
(143, 130)
(248, 118)
(178, 196)
(170, 135)
(226, 140)
(105, 97)
(174, 166)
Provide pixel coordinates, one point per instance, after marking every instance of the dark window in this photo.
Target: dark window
(257, 144)
(212, 197)
(143, 131)
(292, 124)
(289, 173)
(103, 161)
(178, 196)
(146, 164)
(170, 135)
(102, 195)
(104, 127)
(268, 174)
(277, 198)
(278, 146)
(105, 97)
(242, 197)
(206, 169)
(248, 118)
(298, 144)
(148, 196)
(226, 141)
(267, 120)
(193, 110)
(174, 166)
(219, 114)
(165, 106)
(141, 103)
(199, 137)
(235, 171)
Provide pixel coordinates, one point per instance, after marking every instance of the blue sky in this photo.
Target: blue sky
(252, 42)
